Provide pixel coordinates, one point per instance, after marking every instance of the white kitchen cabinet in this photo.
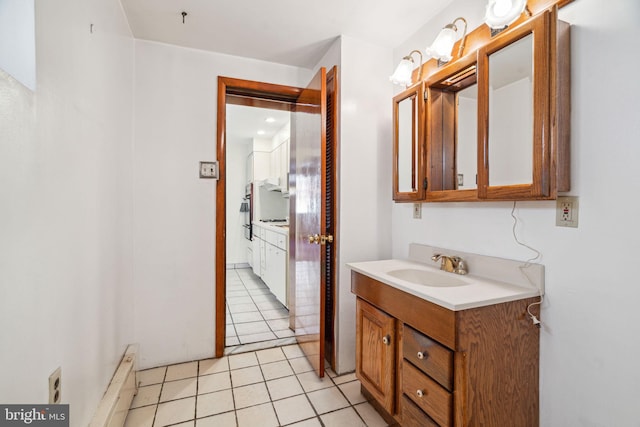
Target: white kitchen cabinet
(274, 158)
(279, 274)
(279, 164)
(255, 245)
(275, 272)
(263, 260)
(284, 165)
(270, 259)
(258, 166)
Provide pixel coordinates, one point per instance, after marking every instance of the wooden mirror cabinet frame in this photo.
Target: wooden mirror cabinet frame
(417, 147)
(551, 123)
(441, 132)
(550, 138)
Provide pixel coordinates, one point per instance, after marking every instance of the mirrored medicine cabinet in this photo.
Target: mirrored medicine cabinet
(408, 147)
(496, 120)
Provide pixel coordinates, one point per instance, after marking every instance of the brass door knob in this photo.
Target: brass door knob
(326, 239)
(320, 240)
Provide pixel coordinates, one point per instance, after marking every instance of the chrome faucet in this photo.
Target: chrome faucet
(451, 264)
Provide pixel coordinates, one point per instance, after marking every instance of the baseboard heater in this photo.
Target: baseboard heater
(115, 403)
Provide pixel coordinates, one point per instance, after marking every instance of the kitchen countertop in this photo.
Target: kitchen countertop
(276, 227)
(479, 291)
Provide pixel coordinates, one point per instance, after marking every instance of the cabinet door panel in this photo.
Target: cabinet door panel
(255, 243)
(279, 278)
(408, 145)
(375, 353)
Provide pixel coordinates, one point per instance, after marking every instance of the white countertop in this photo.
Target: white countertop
(276, 227)
(479, 291)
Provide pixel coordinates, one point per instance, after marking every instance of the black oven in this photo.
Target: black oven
(247, 209)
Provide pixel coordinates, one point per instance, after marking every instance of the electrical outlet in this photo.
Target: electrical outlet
(55, 386)
(567, 211)
(417, 210)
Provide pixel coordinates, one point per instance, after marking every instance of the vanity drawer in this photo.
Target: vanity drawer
(412, 415)
(429, 356)
(427, 394)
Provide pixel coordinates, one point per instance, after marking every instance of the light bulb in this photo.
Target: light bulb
(502, 13)
(442, 45)
(502, 7)
(402, 74)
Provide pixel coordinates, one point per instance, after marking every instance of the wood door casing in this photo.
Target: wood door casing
(266, 95)
(239, 92)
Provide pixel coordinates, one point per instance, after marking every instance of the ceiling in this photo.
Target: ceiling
(243, 123)
(292, 32)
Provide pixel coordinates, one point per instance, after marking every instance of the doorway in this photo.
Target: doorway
(257, 164)
(285, 98)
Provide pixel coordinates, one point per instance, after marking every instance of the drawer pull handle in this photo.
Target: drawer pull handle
(386, 340)
(420, 393)
(421, 355)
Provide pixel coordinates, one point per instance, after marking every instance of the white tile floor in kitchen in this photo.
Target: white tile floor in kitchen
(265, 388)
(253, 312)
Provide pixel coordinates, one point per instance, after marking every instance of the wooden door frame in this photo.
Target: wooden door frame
(239, 92)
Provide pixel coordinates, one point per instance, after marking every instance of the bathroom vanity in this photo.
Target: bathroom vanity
(463, 352)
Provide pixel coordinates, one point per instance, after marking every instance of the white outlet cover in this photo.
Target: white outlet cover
(55, 386)
(567, 211)
(417, 210)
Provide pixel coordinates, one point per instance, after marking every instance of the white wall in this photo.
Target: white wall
(589, 372)
(364, 168)
(66, 209)
(175, 128)
(237, 152)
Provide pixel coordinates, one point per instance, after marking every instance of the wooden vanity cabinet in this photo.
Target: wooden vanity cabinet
(474, 367)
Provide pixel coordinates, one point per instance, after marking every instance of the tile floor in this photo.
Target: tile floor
(265, 388)
(253, 312)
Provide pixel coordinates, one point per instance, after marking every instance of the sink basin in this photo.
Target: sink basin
(428, 278)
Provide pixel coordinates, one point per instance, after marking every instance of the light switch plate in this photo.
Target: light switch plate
(209, 170)
(567, 211)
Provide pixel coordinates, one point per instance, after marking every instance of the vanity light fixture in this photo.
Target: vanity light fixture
(502, 13)
(403, 73)
(441, 47)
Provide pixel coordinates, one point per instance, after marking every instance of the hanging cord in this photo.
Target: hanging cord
(527, 264)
